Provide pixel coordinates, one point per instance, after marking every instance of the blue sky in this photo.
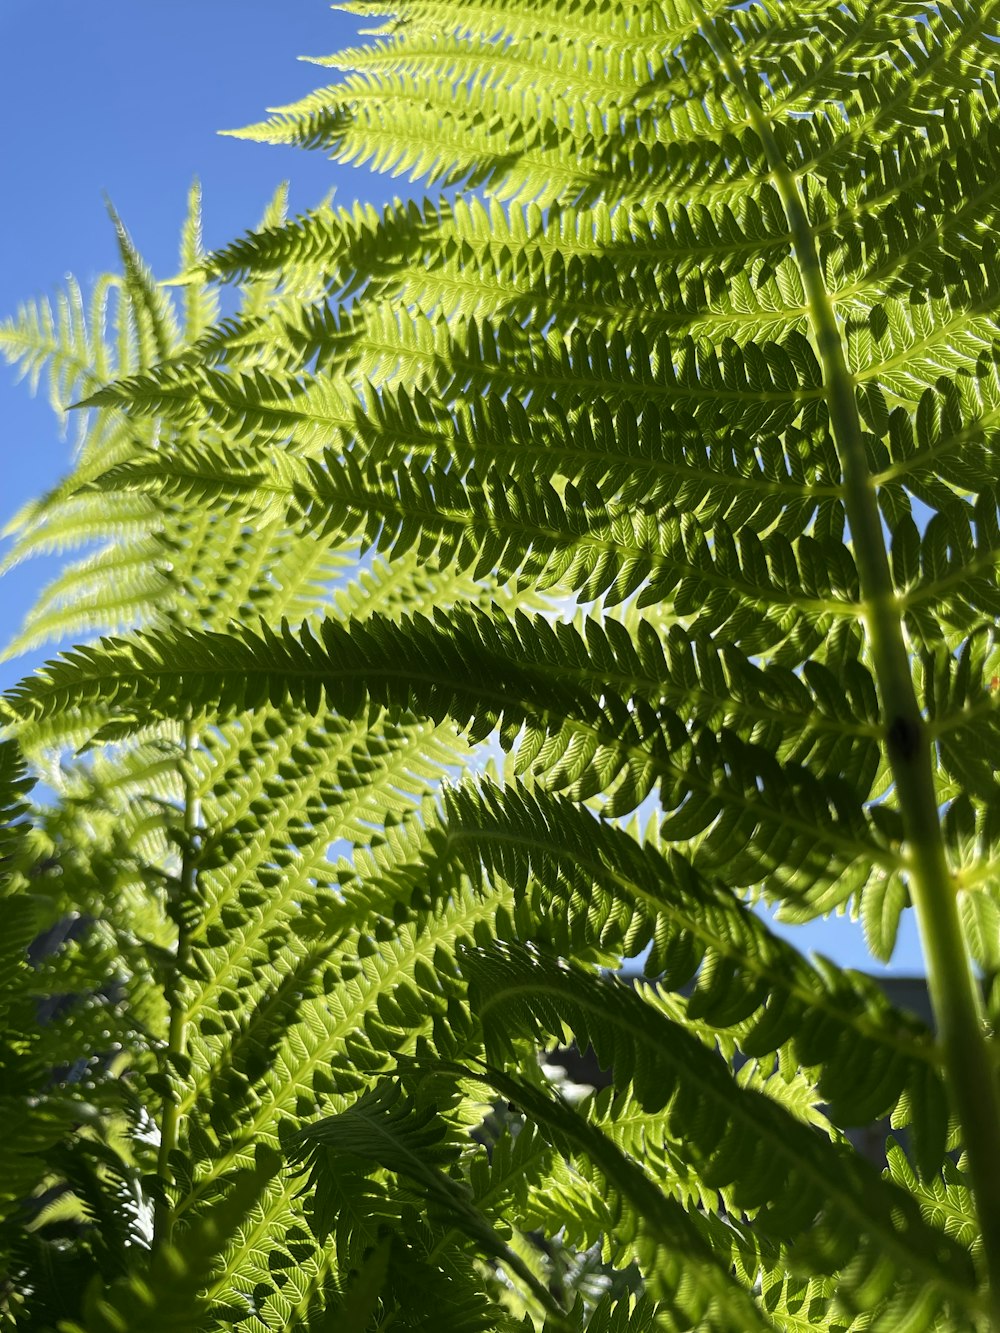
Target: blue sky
(124, 98)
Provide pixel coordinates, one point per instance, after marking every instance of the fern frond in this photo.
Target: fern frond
(588, 880)
(479, 672)
(725, 1131)
(381, 1127)
(65, 341)
(201, 304)
(655, 1223)
(171, 1289)
(154, 326)
(713, 354)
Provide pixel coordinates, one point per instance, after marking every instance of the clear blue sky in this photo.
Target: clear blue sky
(124, 97)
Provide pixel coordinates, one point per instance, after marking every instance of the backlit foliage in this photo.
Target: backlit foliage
(660, 451)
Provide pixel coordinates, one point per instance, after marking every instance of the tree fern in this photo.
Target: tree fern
(707, 348)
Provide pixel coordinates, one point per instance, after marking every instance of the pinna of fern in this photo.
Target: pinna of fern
(715, 358)
(207, 865)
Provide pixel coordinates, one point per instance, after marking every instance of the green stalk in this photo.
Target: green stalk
(954, 992)
(163, 1214)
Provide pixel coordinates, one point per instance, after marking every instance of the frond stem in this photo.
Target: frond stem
(953, 988)
(163, 1214)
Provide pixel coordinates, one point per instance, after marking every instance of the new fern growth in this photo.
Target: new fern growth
(661, 449)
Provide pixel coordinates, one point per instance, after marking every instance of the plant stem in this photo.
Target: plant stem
(163, 1215)
(953, 988)
(954, 992)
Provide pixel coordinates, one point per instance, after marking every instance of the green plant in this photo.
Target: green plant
(708, 345)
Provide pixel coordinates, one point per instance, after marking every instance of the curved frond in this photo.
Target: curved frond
(664, 459)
